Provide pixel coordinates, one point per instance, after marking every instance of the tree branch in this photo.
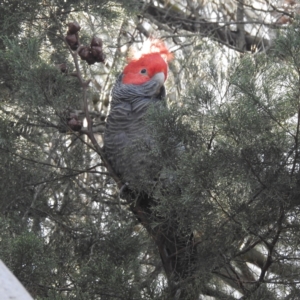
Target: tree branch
(176, 19)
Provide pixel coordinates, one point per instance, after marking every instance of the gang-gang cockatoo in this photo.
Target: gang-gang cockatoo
(127, 142)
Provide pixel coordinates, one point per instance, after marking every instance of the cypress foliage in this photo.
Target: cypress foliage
(230, 152)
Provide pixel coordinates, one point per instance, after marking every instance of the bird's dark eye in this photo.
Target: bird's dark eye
(143, 71)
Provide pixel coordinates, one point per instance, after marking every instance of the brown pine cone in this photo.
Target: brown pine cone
(73, 27)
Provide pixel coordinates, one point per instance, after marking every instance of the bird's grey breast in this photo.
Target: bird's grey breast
(127, 141)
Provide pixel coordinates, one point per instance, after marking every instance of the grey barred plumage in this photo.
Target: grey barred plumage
(126, 138)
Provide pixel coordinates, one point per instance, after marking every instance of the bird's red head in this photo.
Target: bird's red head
(152, 61)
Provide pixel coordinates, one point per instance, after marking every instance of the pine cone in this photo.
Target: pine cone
(86, 54)
(97, 53)
(96, 41)
(72, 40)
(91, 59)
(74, 27)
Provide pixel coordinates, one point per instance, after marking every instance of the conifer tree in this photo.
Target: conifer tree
(65, 231)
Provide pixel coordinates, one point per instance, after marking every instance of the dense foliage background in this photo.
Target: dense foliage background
(233, 102)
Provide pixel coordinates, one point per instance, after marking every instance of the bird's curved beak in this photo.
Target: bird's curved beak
(160, 78)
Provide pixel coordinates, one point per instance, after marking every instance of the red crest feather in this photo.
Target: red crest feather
(151, 46)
